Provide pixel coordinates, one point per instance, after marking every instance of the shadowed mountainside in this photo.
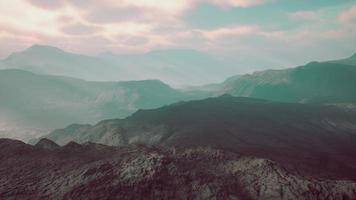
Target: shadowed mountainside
(312, 138)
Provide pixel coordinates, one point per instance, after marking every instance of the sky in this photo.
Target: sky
(266, 33)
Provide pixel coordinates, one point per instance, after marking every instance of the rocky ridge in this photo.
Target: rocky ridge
(94, 171)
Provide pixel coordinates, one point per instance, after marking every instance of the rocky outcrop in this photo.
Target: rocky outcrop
(265, 180)
(93, 171)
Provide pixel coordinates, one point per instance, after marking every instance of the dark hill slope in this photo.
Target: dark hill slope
(300, 135)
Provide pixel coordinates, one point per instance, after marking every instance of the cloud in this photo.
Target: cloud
(234, 31)
(110, 14)
(305, 15)
(136, 40)
(92, 26)
(348, 17)
(112, 11)
(238, 3)
(46, 4)
(132, 40)
(80, 29)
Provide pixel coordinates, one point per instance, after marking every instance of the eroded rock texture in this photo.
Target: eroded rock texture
(94, 171)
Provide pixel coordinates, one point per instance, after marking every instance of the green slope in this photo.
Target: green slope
(332, 81)
(45, 102)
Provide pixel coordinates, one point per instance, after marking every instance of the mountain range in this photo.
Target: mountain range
(315, 138)
(33, 104)
(176, 67)
(314, 82)
(329, 82)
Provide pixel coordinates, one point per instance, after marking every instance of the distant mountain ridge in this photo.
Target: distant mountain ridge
(33, 104)
(174, 66)
(325, 82)
(50, 60)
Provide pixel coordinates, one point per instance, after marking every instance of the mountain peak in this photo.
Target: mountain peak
(34, 50)
(41, 48)
(72, 145)
(45, 143)
(5, 142)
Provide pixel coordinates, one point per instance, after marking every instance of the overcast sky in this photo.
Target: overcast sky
(275, 32)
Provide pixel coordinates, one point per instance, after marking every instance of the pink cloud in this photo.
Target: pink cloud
(91, 26)
(111, 14)
(348, 17)
(238, 3)
(47, 4)
(234, 31)
(65, 19)
(80, 29)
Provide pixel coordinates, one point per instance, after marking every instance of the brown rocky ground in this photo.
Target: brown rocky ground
(93, 171)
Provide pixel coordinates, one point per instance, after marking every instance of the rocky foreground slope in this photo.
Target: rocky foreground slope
(94, 171)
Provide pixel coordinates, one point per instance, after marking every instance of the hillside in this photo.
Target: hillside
(331, 82)
(308, 136)
(93, 171)
(33, 104)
